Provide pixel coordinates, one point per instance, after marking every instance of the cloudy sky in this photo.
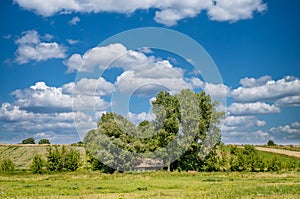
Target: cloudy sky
(57, 76)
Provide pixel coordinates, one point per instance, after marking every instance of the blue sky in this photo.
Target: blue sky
(49, 49)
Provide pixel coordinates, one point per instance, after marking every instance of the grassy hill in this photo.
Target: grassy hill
(22, 154)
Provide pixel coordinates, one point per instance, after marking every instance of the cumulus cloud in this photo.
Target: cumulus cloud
(152, 78)
(241, 122)
(288, 101)
(42, 96)
(30, 47)
(267, 90)
(103, 56)
(252, 108)
(42, 108)
(252, 82)
(241, 129)
(137, 118)
(74, 21)
(167, 12)
(90, 87)
(230, 10)
(214, 90)
(61, 126)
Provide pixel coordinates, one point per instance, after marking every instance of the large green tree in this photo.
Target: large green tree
(185, 128)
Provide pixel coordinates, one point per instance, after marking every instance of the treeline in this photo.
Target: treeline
(247, 158)
(225, 158)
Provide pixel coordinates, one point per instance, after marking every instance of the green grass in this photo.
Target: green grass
(93, 184)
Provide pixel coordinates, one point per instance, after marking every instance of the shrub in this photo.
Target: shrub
(37, 164)
(274, 164)
(7, 165)
(62, 159)
(72, 160)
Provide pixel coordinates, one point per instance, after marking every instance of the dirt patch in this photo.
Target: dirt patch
(280, 151)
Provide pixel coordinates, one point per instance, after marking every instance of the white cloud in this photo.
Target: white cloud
(252, 82)
(294, 128)
(90, 87)
(270, 90)
(241, 122)
(288, 101)
(232, 10)
(252, 108)
(289, 133)
(41, 95)
(32, 48)
(103, 56)
(11, 113)
(74, 21)
(137, 118)
(72, 41)
(214, 90)
(168, 12)
(152, 78)
(43, 98)
(197, 83)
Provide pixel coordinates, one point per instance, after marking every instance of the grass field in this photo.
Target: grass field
(156, 184)
(93, 184)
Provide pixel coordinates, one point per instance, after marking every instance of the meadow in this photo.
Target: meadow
(157, 184)
(85, 183)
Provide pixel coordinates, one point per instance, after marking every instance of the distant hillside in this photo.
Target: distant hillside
(22, 154)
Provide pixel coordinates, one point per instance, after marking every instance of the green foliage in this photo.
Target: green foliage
(37, 164)
(28, 141)
(44, 141)
(72, 160)
(191, 114)
(59, 159)
(271, 143)
(7, 165)
(80, 143)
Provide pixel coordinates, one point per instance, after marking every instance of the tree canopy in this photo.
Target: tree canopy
(44, 141)
(28, 141)
(185, 130)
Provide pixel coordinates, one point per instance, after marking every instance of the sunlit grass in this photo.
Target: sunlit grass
(93, 184)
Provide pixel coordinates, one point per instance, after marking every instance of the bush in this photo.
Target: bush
(7, 165)
(274, 164)
(62, 159)
(271, 143)
(37, 164)
(44, 141)
(72, 160)
(28, 141)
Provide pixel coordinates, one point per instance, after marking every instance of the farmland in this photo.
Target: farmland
(85, 183)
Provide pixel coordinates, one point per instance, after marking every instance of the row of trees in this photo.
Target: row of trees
(32, 141)
(247, 158)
